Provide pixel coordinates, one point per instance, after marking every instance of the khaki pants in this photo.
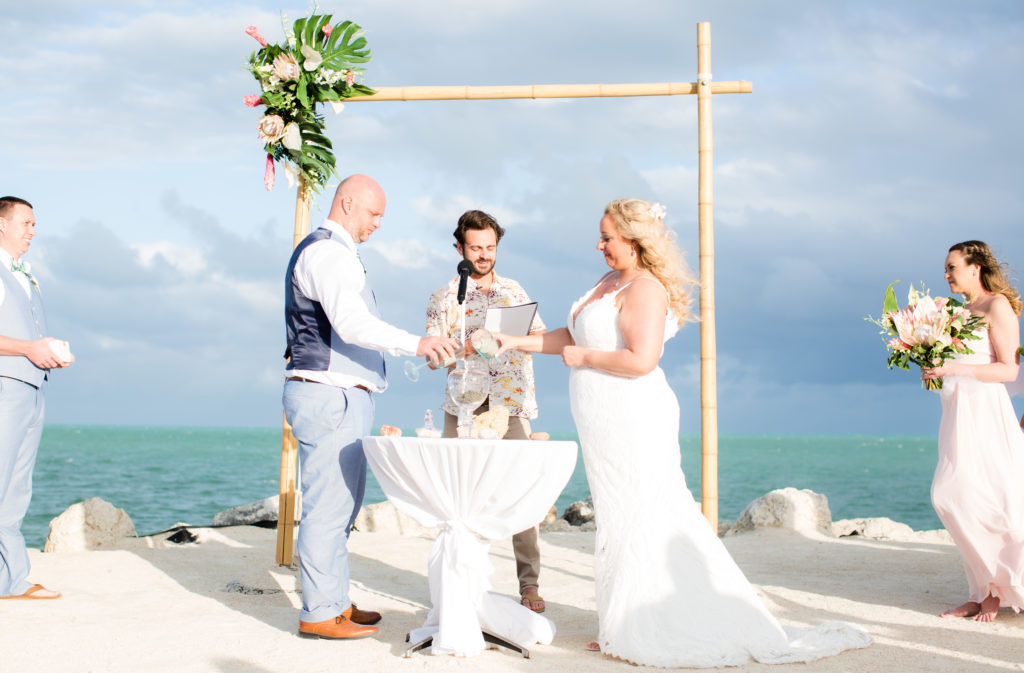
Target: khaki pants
(525, 545)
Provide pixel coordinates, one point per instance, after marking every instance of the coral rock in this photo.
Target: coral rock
(802, 511)
(91, 524)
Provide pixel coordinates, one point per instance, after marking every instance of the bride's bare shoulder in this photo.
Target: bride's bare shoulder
(653, 286)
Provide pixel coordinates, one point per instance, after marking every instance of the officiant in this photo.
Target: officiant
(511, 377)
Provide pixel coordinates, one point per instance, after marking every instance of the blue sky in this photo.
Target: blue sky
(878, 134)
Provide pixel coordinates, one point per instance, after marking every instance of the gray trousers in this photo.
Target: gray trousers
(525, 545)
(328, 422)
(21, 425)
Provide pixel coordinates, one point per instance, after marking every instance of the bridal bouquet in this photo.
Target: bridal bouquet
(927, 331)
(315, 64)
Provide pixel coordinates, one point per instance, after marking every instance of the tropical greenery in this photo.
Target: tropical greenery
(318, 62)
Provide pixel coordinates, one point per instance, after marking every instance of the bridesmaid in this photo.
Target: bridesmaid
(977, 491)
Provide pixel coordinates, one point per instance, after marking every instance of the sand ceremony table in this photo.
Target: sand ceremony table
(475, 491)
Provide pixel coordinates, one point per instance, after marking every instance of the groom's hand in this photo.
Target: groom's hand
(436, 348)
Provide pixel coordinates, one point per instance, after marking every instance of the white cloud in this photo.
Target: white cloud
(408, 253)
(187, 260)
(877, 134)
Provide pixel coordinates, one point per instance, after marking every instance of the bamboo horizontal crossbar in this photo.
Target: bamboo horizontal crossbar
(406, 93)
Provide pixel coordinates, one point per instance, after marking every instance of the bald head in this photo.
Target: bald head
(358, 206)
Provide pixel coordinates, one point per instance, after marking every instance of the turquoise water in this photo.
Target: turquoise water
(163, 475)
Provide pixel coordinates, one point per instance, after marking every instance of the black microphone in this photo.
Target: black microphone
(465, 268)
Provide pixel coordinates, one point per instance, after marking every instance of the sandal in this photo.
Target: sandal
(532, 601)
(36, 592)
(592, 646)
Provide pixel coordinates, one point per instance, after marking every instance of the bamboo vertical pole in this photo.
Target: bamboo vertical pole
(289, 445)
(705, 203)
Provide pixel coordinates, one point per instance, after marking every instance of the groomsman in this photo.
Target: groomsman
(336, 342)
(26, 354)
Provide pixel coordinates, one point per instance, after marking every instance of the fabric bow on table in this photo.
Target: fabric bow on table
(475, 492)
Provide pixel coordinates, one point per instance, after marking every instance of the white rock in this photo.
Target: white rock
(92, 524)
(802, 511)
(878, 528)
(384, 518)
(937, 536)
(558, 526)
(261, 511)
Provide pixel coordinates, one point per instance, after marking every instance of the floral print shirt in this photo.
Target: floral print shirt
(512, 373)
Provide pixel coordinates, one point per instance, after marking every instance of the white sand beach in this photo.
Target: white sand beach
(155, 606)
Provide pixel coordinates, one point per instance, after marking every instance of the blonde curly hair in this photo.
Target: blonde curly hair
(640, 223)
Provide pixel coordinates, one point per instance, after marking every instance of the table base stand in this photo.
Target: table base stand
(489, 637)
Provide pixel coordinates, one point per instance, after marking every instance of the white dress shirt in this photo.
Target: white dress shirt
(5, 261)
(333, 275)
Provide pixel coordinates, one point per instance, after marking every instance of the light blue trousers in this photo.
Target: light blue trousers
(21, 426)
(329, 423)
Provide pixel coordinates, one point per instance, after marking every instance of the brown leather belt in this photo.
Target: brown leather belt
(299, 378)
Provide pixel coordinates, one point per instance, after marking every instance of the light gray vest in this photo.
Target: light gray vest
(21, 318)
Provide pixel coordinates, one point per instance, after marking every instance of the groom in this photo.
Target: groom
(336, 342)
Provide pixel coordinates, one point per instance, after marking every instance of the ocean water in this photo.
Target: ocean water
(165, 475)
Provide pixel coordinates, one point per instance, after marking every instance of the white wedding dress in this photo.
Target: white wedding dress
(668, 592)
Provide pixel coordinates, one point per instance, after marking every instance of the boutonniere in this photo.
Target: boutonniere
(25, 268)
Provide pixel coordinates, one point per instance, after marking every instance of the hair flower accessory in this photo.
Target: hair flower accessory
(657, 211)
(316, 63)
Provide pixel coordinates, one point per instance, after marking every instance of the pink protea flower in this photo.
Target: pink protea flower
(253, 101)
(286, 67)
(896, 344)
(268, 175)
(254, 33)
(327, 29)
(350, 77)
(270, 128)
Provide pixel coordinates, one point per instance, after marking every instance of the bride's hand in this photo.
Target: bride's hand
(505, 342)
(572, 356)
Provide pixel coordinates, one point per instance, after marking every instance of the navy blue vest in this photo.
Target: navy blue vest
(313, 344)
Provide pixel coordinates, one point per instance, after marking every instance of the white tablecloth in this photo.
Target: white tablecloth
(475, 491)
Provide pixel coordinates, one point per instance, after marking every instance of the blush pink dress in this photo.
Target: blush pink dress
(978, 490)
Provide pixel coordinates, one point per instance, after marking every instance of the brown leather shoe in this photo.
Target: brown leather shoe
(361, 616)
(339, 627)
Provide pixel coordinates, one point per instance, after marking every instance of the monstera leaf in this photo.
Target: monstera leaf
(328, 56)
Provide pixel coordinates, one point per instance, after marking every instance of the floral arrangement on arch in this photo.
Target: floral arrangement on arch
(927, 331)
(317, 63)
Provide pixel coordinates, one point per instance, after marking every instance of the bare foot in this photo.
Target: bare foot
(989, 609)
(592, 647)
(968, 609)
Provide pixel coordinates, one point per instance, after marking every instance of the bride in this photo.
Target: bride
(668, 592)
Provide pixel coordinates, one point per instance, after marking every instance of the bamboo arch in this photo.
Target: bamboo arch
(703, 88)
